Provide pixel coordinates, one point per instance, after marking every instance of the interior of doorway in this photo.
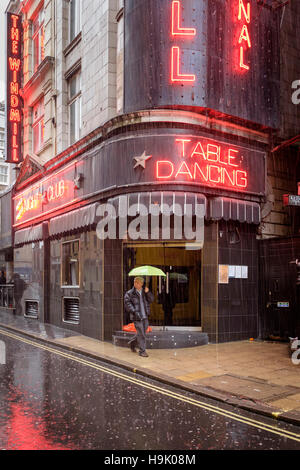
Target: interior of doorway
(177, 297)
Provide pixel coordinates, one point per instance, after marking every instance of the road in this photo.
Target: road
(53, 399)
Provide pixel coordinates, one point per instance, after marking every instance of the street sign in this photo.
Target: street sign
(283, 304)
(291, 200)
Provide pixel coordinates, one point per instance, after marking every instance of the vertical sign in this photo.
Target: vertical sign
(244, 20)
(13, 80)
(178, 31)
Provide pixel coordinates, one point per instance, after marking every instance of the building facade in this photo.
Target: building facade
(156, 111)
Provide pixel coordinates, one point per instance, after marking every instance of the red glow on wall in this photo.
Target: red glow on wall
(14, 106)
(185, 33)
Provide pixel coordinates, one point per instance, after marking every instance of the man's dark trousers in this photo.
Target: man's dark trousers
(140, 337)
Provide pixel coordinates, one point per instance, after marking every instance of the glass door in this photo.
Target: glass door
(178, 296)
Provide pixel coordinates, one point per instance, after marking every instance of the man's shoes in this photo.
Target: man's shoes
(132, 346)
(143, 354)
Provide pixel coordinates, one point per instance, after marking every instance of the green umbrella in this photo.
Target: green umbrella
(146, 271)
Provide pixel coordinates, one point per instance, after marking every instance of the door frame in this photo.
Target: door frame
(169, 244)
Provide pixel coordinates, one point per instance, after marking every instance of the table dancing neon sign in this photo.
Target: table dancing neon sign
(205, 162)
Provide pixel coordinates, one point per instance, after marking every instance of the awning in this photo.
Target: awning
(74, 220)
(32, 234)
(235, 209)
(167, 202)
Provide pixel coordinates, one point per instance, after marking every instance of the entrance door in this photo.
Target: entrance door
(178, 296)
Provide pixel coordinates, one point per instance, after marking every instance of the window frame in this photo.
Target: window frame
(69, 286)
(39, 36)
(77, 19)
(2, 166)
(75, 99)
(39, 123)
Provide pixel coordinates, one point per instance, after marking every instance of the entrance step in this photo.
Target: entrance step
(164, 339)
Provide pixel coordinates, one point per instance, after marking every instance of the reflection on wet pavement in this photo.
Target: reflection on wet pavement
(50, 402)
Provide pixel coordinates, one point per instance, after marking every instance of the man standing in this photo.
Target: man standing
(137, 304)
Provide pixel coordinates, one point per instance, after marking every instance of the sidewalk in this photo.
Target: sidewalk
(254, 375)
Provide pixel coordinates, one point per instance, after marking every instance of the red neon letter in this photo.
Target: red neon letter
(211, 168)
(231, 158)
(183, 142)
(245, 36)
(14, 88)
(185, 172)
(171, 169)
(14, 64)
(15, 115)
(176, 76)
(15, 20)
(177, 30)
(247, 13)
(199, 152)
(241, 179)
(15, 155)
(14, 101)
(14, 47)
(213, 150)
(14, 34)
(242, 65)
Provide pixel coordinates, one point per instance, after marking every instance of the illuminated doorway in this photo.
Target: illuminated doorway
(178, 296)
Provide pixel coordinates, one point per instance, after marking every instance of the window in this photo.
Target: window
(70, 264)
(75, 18)
(38, 126)
(38, 39)
(2, 144)
(120, 62)
(2, 140)
(3, 174)
(75, 107)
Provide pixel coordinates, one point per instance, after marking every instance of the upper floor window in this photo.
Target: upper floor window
(3, 174)
(75, 107)
(38, 126)
(75, 18)
(2, 140)
(38, 39)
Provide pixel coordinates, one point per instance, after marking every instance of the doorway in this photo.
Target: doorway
(178, 296)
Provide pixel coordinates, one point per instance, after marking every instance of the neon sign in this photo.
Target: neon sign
(178, 31)
(244, 41)
(14, 105)
(49, 194)
(54, 192)
(204, 162)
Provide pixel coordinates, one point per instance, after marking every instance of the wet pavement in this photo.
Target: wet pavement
(257, 376)
(53, 399)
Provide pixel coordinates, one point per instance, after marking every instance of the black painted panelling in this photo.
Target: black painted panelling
(90, 292)
(212, 55)
(238, 300)
(278, 282)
